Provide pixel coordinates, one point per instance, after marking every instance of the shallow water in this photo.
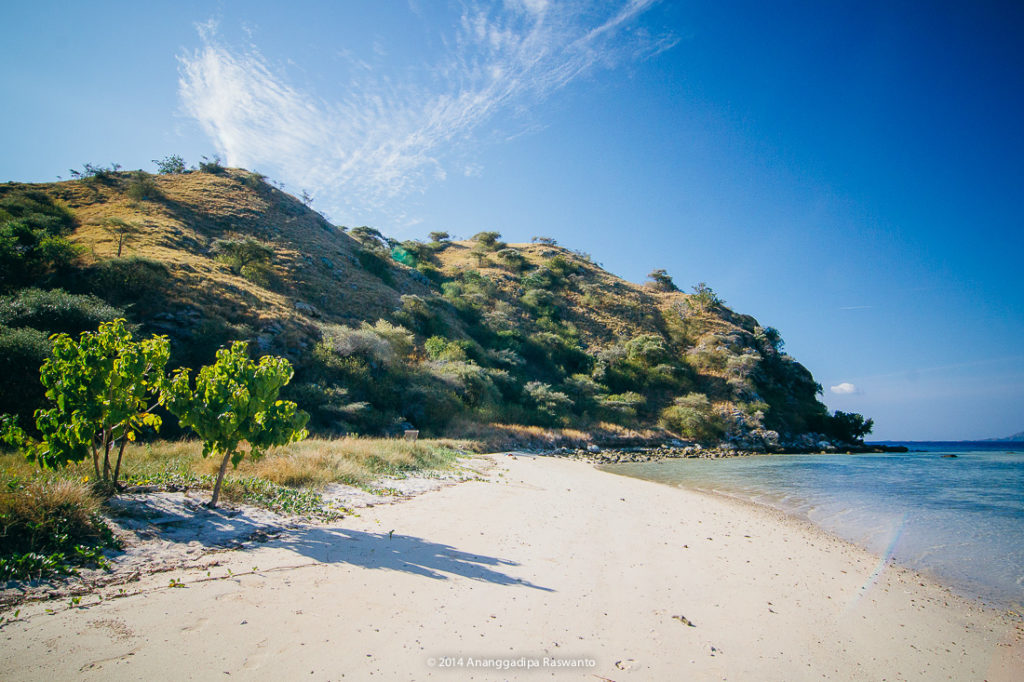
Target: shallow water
(959, 519)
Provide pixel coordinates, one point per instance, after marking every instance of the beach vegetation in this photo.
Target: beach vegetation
(102, 390)
(49, 526)
(693, 416)
(235, 400)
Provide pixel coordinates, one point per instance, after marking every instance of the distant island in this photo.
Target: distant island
(1015, 438)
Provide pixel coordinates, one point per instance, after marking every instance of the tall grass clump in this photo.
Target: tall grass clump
(49, 526)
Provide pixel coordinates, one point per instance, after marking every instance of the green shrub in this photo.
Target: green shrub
(253, 180)
(542, 302)
(93, 172)
(22, 353)
(142, 186)
(32, 241)
(512, 258)
(55, 311)
(693, 416)
(211, 165)
(441, 349)
(431, 273)
(620, 407)
(542, 278)
(128, 279)
(551, 405)
(375, 265)
(562, 267)
(170, 164)
(647, 349)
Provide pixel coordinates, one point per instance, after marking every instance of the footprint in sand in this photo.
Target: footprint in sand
(196, 626)
(257, 658)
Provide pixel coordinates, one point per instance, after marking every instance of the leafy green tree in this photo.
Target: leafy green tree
(242, 253)
(439, 237)
(488, 240)
(101, 386)
(235, 400)
(850, 427)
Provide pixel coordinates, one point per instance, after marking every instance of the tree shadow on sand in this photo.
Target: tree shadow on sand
(399, 553)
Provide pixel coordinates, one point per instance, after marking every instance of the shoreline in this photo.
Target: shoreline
(540, 557)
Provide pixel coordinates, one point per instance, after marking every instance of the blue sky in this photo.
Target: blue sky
(849, 173)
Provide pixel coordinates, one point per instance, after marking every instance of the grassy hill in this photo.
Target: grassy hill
(450, 337)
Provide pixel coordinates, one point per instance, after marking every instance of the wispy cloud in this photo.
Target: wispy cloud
(390, 138)
(845, 388)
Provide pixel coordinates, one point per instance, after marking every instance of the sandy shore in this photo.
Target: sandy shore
(547, 558)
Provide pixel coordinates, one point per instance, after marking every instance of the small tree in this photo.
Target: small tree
(850, 427)
(661, 280)
(239, 253)
(488, 240)
(439, 237)
(170, 164)
(546, 241)
(235, 400)
(101, 386)
(704, 297)
(121, 230)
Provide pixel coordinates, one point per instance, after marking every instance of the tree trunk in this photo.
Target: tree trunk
(95, 459)
(220, 477)
(105, 447)
(120, 454)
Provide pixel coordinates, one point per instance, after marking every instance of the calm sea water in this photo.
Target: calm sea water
(959, 519)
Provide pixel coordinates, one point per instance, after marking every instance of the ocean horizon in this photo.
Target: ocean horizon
(951, 510)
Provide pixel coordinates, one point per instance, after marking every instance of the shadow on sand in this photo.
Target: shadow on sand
(399, 553)
(176, 518)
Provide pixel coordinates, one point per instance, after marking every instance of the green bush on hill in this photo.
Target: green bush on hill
(33, 242)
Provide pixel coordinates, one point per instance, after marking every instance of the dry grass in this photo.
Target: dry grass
(311, 463)
(498, 437)
(47, 523)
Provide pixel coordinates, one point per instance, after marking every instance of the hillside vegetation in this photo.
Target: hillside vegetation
(448, 337)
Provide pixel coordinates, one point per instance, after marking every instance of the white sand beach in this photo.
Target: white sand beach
(547, 563)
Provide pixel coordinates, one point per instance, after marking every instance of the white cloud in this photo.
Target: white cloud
(389, 138)
(845, 388)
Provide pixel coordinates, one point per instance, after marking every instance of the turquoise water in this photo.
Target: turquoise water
(959, 519)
